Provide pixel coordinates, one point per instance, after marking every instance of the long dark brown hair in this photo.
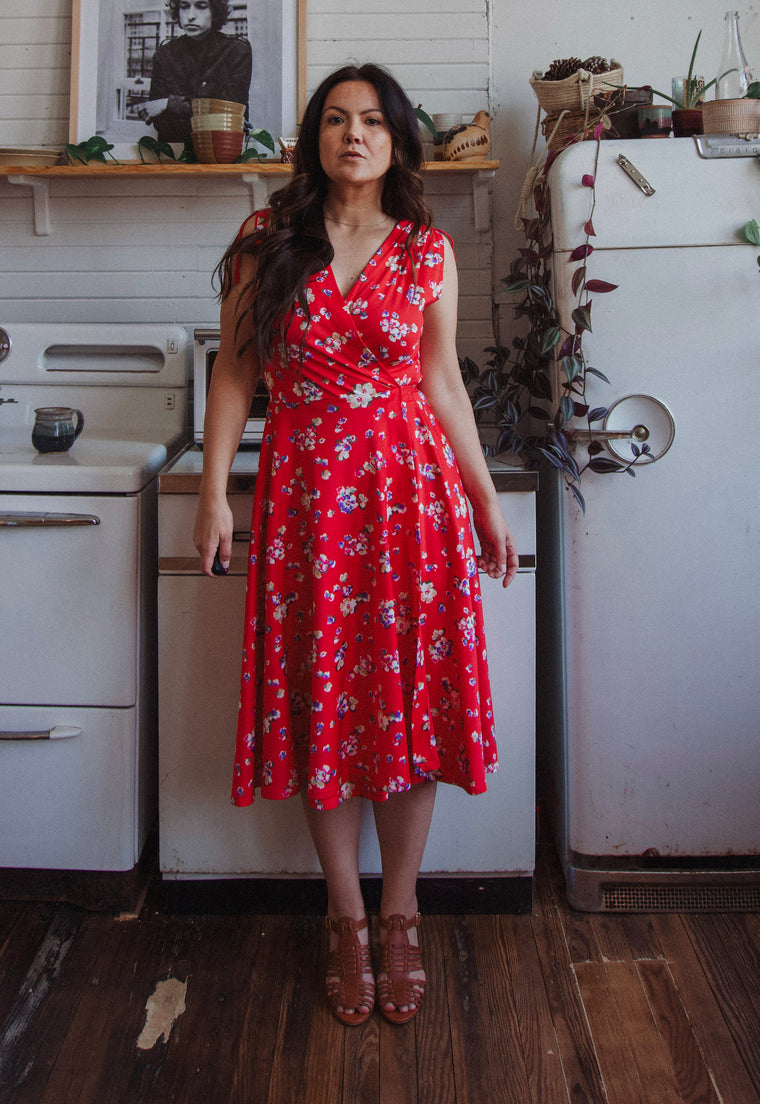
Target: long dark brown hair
(294, 243)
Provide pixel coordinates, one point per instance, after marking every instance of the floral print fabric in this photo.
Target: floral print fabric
(364, 666)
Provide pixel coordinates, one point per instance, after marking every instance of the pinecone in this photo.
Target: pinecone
(561, 68)
(596, 65)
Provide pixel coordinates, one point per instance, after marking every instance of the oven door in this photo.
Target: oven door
(70, 567)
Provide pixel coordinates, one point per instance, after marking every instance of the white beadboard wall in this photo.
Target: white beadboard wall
(143, 250)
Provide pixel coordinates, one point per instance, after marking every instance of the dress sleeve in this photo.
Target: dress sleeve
(432, 263)
(256, 221)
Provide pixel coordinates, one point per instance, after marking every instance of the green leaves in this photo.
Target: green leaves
(92, 149)
(425, 119)
(752, 231)
(158, 149)
(514, 392)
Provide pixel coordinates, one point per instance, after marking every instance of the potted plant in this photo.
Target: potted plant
(687, 111)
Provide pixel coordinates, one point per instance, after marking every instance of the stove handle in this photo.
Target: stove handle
(21, 519)
(58, 732)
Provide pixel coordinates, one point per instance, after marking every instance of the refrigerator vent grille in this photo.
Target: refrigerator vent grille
(696, 898)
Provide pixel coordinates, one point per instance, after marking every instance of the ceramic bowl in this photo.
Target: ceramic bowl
(209, 107)
(218, 147)
(216, 122)
(29, 156)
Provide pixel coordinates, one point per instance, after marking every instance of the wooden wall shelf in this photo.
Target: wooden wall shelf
(257, 175)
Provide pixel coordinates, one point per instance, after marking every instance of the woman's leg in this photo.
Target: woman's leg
(335, 833)
(402, 823)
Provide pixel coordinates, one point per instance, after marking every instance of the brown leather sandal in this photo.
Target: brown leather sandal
(346, 966)
(398, 959)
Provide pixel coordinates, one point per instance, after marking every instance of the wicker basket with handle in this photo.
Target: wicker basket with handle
(575, 92)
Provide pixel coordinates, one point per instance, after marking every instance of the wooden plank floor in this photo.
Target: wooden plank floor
(558, 1007)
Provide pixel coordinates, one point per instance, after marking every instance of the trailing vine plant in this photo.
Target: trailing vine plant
(514, 391)
(91, 149)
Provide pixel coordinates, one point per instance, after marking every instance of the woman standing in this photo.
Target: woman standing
(364, 669)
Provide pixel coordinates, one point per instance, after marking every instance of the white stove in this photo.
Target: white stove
(78, 560)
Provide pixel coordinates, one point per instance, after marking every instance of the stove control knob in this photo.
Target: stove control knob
(5, 345)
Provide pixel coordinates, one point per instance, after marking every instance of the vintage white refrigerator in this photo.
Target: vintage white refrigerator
(649, 634)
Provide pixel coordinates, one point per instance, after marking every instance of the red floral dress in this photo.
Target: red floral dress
(364, 664)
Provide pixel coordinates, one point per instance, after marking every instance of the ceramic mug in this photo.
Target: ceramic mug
(56, 428)
(654, 121)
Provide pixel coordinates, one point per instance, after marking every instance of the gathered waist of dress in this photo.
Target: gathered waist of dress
(355, 394)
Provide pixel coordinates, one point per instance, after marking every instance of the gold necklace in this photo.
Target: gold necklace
(358, 225)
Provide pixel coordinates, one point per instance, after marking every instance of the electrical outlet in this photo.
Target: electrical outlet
(169, 400)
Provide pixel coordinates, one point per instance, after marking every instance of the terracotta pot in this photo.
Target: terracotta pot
(687, 121)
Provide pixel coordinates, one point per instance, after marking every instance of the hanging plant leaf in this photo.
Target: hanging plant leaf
(597, 373)
(566, 406)
(578, 278)
(603, 465)
(581, 252)
(752, 231)
(578, 496)
(572, 367)
(587, 180)
(581, 316)
(589, 229)
(600, 286)
(595, 447)
(551, 338)
(597, 413)
(513, 286)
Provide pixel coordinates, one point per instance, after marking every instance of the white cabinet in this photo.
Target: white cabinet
(202, 835)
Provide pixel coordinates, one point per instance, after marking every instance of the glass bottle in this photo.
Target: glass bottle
(734, 76)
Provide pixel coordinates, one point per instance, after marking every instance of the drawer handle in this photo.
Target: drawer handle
(22, 519)
(58, 732)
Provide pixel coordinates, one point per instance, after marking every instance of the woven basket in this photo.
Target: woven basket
(574, 93)
(571, 127)
(731, 117)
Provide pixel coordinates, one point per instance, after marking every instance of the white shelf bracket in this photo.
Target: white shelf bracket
(40, 199)
(481, 209)
(259, 186)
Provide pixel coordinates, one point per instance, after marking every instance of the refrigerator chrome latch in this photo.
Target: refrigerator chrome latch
(638, 179)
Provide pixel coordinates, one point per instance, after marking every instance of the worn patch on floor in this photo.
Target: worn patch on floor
(162, 1009)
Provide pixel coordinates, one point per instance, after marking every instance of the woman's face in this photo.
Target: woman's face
(195, 17)
(355, 144)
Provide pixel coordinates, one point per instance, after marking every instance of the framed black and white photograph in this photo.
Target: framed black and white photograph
(137, 65)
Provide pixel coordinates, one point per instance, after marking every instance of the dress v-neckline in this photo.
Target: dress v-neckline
(375, 253)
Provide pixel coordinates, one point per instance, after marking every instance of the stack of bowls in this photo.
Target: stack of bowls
(218, 131)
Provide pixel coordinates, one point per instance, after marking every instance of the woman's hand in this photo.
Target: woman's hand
(212, 533)
(498, 548)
